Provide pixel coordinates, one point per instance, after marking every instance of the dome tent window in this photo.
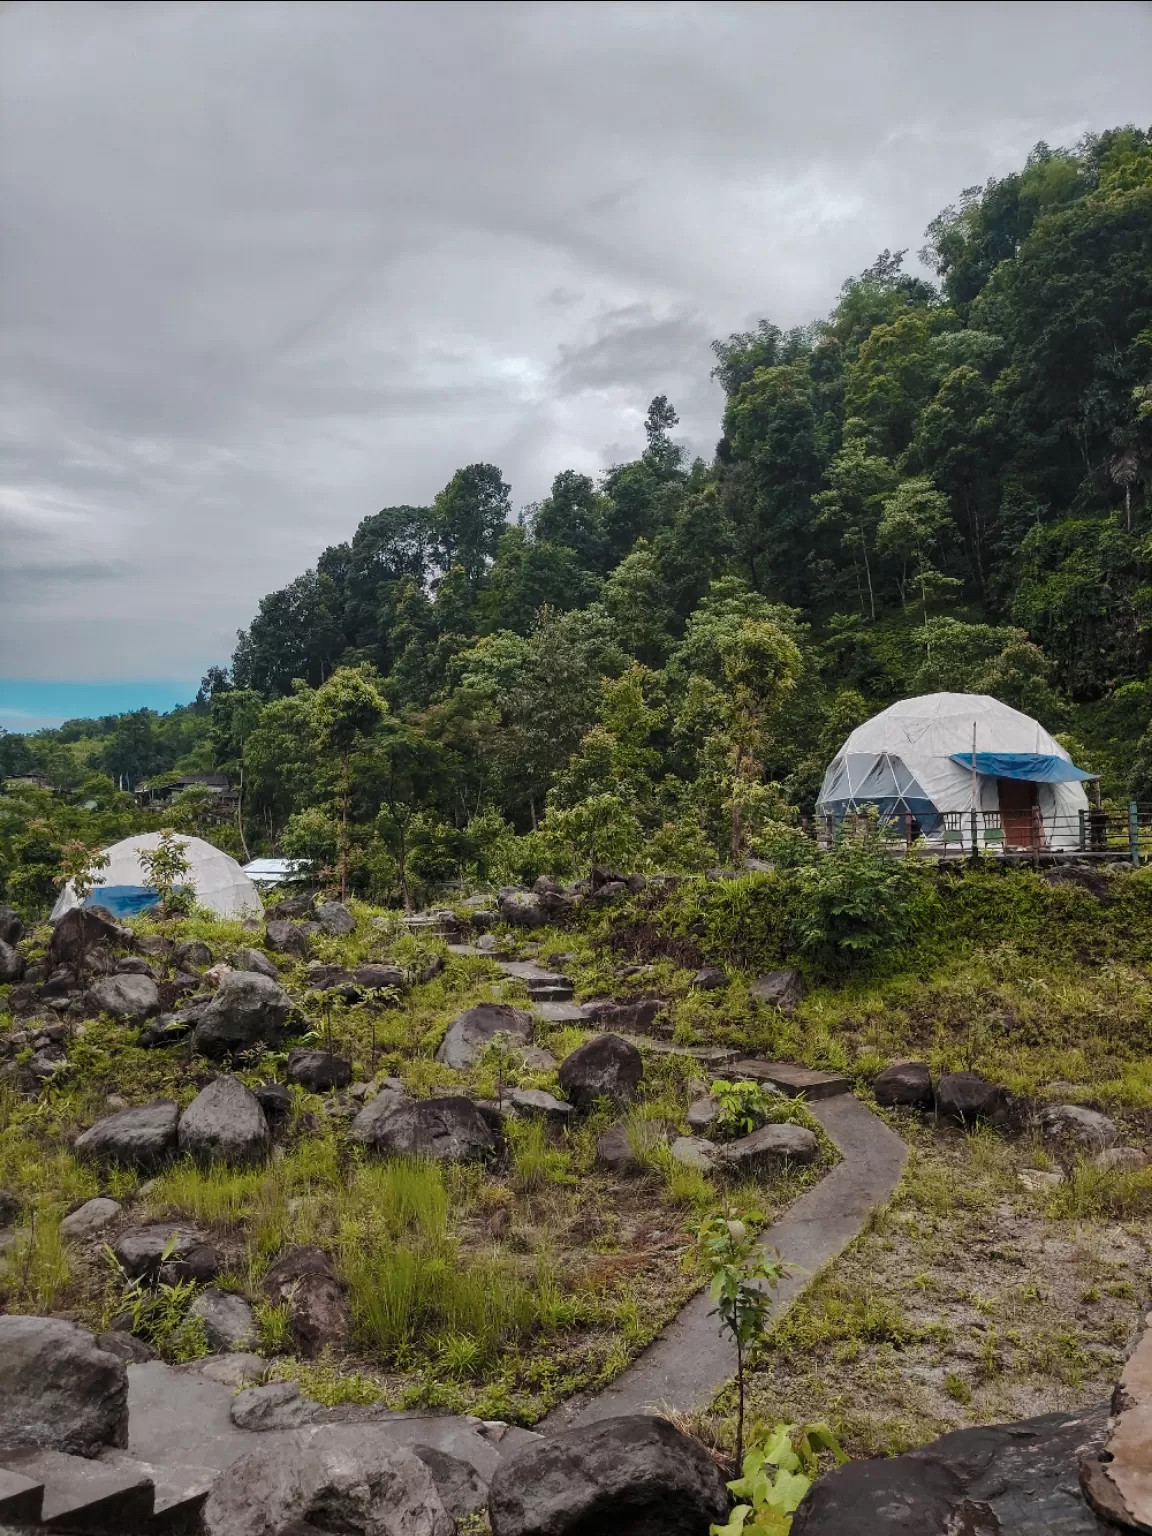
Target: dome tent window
(935, 765)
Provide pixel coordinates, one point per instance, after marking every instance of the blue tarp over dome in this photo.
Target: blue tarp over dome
(1033, 767)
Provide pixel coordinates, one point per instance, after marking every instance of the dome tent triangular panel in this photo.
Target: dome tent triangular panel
(218, 881)
(929, 741)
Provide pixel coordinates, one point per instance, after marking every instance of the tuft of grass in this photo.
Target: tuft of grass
(535, 1162)
(957, 1388)
(1091, 1193)
(37, 1267)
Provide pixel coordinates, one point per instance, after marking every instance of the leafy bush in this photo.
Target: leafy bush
(775, 1478)
(744, 1107)
(857, 904)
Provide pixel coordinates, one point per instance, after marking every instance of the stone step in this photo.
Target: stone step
(551, 992)
(180, 1493)
(20, 1497)
(86, 1498)
(716, 1056)
(561, 1013)
(793, 1080)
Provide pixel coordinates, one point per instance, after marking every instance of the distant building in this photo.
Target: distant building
(266, 874)
(223, 807)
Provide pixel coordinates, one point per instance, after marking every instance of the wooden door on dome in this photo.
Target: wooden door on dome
(1019, 811)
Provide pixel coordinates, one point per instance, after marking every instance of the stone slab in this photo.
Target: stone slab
(691, 1360)
(561, 1013)
(86, 1493)
(707, 1055)
(20, 1496)
(793, 1080)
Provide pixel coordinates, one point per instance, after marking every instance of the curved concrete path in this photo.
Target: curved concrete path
(690, 1360)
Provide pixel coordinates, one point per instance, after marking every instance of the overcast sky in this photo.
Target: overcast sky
(269, 267)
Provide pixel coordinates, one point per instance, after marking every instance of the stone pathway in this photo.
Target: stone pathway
(690, 1360)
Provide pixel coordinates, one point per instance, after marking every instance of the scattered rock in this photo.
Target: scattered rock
(11, 926)
(449, 1129)
(166, 1029)
(318, 1071)
(11, 963)
(604, 1067)
(631, 1476)
(346, 1477)
(47, 1062)
(968, 1097)
(430, 971)
(167, 1252)
(58, 1390)
(390, 1096)
(607, 892)
(192, 955)
(304, 1279)
(335, 919)
(696, 1152)
(535, 1102)
(772, 1144)
(232, 1370)
(135, 1138)
(710, 978)
(248, 1009)
(522, 909)
(1037, 1180)
(274, 1099)
(9, 1203)
(470, 1031)
(273, 1405)
(1115, 1476)
(248, 959)
(1123, 1159)
(1086, 1127)
(127, 999)
(217, 974)
(224, 1123)
(92, 1217)
(907, 1082)
(332, 978)
(228, 1320)
(287, 939)
(136, 965)
(614, 1151)
(882, 1498)
(703, 1113)
(487, 943)
(154, 944)
(293, 907)
(126, 1347)
(537, 1059)
(779, 989)
(377, 978)
(83, 929)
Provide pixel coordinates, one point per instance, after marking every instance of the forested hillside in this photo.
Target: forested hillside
(940, 485)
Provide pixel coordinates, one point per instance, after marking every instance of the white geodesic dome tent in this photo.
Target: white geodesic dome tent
(941, 757)
(218, 881)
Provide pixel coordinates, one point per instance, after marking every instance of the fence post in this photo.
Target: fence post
(975, 840)
(1083, 823)
(1134, 833)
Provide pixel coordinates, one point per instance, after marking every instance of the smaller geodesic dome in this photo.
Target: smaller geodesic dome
(944, 756)
(219, 883)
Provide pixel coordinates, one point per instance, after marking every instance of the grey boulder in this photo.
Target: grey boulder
(58, 1390)
(605, 1067)
(779, 989)
(248, 959)
(303, 1279)
(772, 1144)
(710, 978)
(631, 1476)
(1087, 1128)
(449, 1129)
(906, 1082)
(224, 1123)
(248, 1009)
(92, 1217)
(134, 1138)
(127, 999)
(83, 929)
(318, 1071)
(470, 1031)
(192, 955)
(695, 1152)
(166, 1251)
(376, 978)
(344, 1479)
(366, 1124)
(288, 939)
(273, 1405)
(11, 963)
(968, 1097)
(10, 926)
(335, 919)
(228, 1320)
(534, 1102)
(703, 1113)
(521, 909)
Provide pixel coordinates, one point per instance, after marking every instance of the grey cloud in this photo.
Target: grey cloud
(267, 267)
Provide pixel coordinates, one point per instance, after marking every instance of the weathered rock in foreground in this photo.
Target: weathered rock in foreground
(779, 989)
(604, 1067)
(288, 939)
(771, 1145)
(249, 959)
(696, 1152)
(318, 1315)
(128, 999)
(135, 1138)
(318, 1071)
(448, 1129)
(224, 1123)
(92, 1217)
(535, 1102)
(1017, 1479)
(166, 1251)
(345, 1477)
(11, 963)
(390, 1096)
(83, 929)
(335, 919)
(376, 978)
(968, 1097)
(1117, 1477)
(192, 955)
(58, 1391)
(906, 1082)
(1087, 1128)
(632, 1476)
(248, 1009)
(228, 1320)
(470, 1031)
